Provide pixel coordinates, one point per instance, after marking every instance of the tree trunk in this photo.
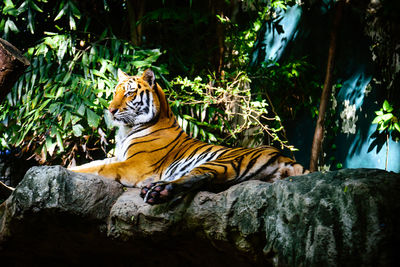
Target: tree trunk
(326, 91)
(135, 12)
(12, 65)
(218, 7)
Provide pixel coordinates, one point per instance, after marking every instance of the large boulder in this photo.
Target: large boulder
(342, 218)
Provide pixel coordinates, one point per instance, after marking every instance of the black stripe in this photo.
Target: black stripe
(175, 160)
(217, 165)
(158, 149)
(162, 160)
(237, 164)
(208, 170)
(203, 155)
(164, 147)
(250, 165)
(148, 98)
(140, 142)
(237, 152)
(188, 160)
(195, 151)
(271, 160)
(151, 133)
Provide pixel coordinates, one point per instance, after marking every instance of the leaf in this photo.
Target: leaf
(67, 119)
(60, 92)
(11, 25)
(92, 118)
(26, 130)
(195, 131)
(387, 107)
(382, 127)
(61, 13)
(108, 120)
(31, 26)
(103, 102)
(98, 73)
(72, 23)
(75, 119)
(211, 137)
(44, 104)
(35, 7)
(377, 119)
(50, 145)
(387, 117)
(184, 124)
(55, 108)
(11, 10)
(59, 141)
(75, 11)
(67, 78)
(188, 118)
(77, 130)
(81, 110)
(397, 126)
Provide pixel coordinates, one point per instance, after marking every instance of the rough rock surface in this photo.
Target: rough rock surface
(341, 218)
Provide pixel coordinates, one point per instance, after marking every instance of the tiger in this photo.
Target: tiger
(154, 153)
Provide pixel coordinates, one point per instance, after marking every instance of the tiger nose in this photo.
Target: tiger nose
(112, 110)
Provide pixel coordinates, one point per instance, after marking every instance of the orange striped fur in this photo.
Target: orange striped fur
(154, 152)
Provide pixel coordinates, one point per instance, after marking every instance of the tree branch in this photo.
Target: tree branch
(12, 65)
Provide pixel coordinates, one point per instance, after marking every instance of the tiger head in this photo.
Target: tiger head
(138, 100)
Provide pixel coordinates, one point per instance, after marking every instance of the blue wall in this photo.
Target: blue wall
(306, 32)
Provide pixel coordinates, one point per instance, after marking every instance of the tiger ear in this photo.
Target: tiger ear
(122, 75)
(149, 77)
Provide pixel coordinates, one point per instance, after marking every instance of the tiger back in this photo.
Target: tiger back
(153, 152)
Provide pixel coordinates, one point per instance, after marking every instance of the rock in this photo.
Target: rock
(342, 218)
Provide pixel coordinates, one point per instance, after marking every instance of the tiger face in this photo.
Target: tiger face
(135, 101)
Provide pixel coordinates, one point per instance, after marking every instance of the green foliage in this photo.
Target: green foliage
(56, 109)
(18, 12)
(295, 77)
(226, 113)
(386, 119)
(388, 124)
(241, 37)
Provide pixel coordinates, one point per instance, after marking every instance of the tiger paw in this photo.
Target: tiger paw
(156, 193)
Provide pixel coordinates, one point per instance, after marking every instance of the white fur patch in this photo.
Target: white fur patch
(178, 169)
(123, 139)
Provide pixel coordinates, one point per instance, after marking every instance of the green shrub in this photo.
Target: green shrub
(225, 112)
(55, 111)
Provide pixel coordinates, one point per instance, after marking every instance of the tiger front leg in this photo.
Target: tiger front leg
(113, 169)
(92, 167)
(162, 191)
